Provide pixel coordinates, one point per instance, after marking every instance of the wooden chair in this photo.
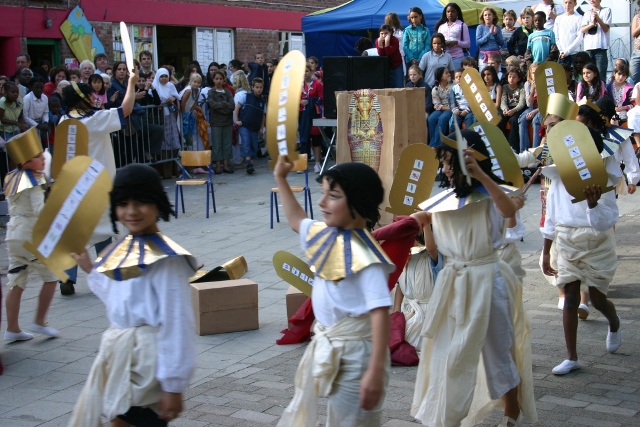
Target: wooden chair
(195, 159)
(298, 165)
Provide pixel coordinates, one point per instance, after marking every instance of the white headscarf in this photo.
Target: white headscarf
(165, 91)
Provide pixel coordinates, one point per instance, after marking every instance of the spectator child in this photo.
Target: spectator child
(532, 114)
(259, 68)
(250, 111)
(509, 19)
(416, 80)
(24, 190)
(74, 75)
(620, 92)
(221, 108)
(456, 32)
(490, 78)
(488, 36)
(55, 113)
(623, 62)
(389, 46)
(416, 38)
(518, 43)
(190, 107)
(567, 31)
(36, 107)
(541, 44)
(591, 85)
(571, 83)
(148, 354)
(596, 34)
(439, 120)
(469, 62)
(512, 106)
(99, 91)
(460, 110)
(512, 62)
(579, 61)
(435, 58)
(394, 22)
(495, 61)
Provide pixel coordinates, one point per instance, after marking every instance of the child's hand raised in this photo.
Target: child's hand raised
(83, 261)
(473, 168)
(283, 167)
(593, 194)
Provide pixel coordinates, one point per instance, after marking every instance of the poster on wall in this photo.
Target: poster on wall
(81, 36)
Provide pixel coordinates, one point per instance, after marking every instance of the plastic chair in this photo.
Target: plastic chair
(195, 159)
(298, 165)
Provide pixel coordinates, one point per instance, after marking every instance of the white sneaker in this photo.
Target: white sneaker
(583, 311)
(614, 339)
(44, 330)
(566, 367)
(317, 168)
(561, 303)
(510, 422)
(17, 336)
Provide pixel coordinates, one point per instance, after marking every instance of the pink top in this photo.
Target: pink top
(456, 31)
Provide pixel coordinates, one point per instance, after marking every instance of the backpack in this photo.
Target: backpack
(252, 112)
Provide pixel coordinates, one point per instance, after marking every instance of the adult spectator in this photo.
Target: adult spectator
(146, 62)
(24, 78)
(118, 86)
(456, 33)
(234, 65)
(568, 35)
(635, 56)
(23, 60)
(57, 74)
(101, 62)
(86, 70)
(595, 29)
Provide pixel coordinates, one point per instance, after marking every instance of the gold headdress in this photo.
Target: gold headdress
(25, 146)
(562, 106)
(453, 144)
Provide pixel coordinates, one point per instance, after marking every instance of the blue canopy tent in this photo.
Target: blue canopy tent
(334, 31)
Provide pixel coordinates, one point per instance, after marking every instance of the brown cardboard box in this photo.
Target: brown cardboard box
(295, 298)
(227, 306)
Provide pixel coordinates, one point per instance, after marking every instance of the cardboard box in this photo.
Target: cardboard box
(295, 298)
(227, 306)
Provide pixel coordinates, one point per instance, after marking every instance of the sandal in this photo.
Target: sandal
(510, 422)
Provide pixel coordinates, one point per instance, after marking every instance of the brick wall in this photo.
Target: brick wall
(248, 42)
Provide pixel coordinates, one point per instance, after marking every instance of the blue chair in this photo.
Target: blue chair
(299, 165)
(195, 159)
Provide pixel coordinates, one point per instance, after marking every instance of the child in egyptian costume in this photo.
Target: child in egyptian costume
(585, 257)
(24, 190)
(147, 355)
(476, 350)
(348, 358)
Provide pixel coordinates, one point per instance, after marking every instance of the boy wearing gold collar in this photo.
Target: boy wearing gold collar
(24, 189)
(147, 355)
(348, 358)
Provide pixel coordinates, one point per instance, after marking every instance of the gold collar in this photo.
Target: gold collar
(447, 200)
(129, 257)
(22, 179)
(335, 253)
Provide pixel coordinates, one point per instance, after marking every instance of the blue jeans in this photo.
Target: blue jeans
(73, 271)
(523, 125)
(599, 57)
(438, 121)
(634, 63)
(396, 77)
(248, 142)
(468, 120)
(457, 63)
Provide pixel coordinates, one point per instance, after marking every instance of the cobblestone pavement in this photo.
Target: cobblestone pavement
(245, 379)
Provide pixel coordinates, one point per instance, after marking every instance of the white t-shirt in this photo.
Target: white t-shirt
(353, 296)
(568, 34)
(546, 8)
(599, 40)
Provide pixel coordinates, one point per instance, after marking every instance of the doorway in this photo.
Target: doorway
(41, 50)
(175, 47)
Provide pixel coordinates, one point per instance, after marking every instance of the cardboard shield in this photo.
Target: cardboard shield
(416, 173)
(478, 97)
(233, 269)
(577, 159)
(284, 106)
(72, 211)
(550, 78)
(504, 163)
(72, 139)
(294, 271)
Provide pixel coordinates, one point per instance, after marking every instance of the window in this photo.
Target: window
(213, 44)
(290, 40)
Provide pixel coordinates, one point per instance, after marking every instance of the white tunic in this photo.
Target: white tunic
(160, 297)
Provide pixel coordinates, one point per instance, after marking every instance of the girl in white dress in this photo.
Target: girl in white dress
(476, 350)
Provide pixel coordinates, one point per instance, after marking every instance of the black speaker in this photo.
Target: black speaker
(342, 73)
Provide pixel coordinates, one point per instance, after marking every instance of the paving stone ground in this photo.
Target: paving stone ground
(245, 379)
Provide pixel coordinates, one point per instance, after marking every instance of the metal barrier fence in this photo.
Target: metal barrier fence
(140, 141)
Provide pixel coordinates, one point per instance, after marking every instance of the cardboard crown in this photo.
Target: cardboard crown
(561, 106)
(24, 146)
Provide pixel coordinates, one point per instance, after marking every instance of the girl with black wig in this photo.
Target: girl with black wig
(350, 299)
(147, 356)
(476, 350)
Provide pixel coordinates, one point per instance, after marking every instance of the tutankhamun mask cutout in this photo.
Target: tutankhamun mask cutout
(364, 133)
